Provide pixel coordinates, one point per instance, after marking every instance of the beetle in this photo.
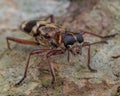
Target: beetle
(56, 40)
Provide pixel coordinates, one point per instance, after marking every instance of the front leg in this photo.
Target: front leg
(96, 35)
(89, 46)
(88, 62)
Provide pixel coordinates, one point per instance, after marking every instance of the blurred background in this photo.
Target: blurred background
(98, 16)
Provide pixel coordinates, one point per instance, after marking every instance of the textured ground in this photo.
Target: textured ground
(99, 16)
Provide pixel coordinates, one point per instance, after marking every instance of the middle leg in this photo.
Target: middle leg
(49, 54)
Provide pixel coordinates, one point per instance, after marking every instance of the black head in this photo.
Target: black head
(73, 41)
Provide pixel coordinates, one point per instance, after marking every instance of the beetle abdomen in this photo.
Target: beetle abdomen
(32, 27)
(28, 26)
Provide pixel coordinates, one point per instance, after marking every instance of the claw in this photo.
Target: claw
(110, 36)
(93, 70)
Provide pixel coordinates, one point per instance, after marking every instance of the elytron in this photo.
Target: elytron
(56, 40)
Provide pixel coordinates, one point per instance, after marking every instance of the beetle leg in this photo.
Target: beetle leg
(39, 51)
(49, 54)
(89, 44)
(21, 41)
(102, 37)
(68, 57)
(99, 42)
(115, 57)
(88, 62)
(52, 19)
